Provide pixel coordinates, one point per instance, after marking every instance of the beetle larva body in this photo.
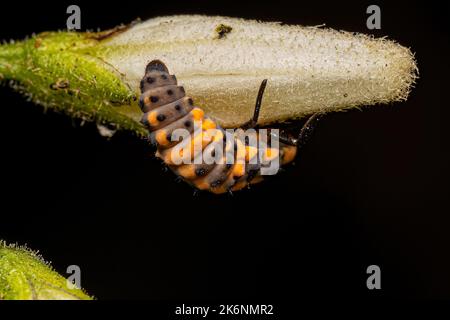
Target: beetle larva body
(168, 111)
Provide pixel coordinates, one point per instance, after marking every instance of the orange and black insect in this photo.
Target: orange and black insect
(166, 108)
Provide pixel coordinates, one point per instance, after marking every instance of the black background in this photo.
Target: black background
(371, 187)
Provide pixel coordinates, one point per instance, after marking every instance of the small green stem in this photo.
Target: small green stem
(63, 71)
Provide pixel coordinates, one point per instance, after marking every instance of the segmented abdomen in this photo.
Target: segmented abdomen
(166, 108)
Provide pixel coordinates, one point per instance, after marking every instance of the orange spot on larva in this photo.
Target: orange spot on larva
(250, 152)
(187, 171)
(288, 154)
(241, 151)
(240, 185)
(201, 184)
(197, 114)
(208, 124)
(271, 153)
(161, 137)
(238, 170)
(256, 179)
(218, 136)
(218, 190)
(152, 118)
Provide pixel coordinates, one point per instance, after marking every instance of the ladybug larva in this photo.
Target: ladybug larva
(169, 112)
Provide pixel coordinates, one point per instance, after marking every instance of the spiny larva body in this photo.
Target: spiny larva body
(167, 109)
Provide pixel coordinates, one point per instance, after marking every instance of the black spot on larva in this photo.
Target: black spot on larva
(169, 137)
(154, 99)
(247, 140)
(216, 183)
(229, 165)
(160, 117)
(178, 107)
(200, 172)
(169, 92)
(236, 177)
(190, 101)
(150, 80)
(213, 153)
(187, 123)
(164, 77)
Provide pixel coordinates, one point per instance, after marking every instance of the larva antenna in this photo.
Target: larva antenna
(305, 132)
(307, 129)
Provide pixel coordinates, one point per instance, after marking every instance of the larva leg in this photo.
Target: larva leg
(307, 129)
(305, 132)
(252, 123)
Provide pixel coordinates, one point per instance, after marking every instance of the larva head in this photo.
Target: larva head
(156, 65)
